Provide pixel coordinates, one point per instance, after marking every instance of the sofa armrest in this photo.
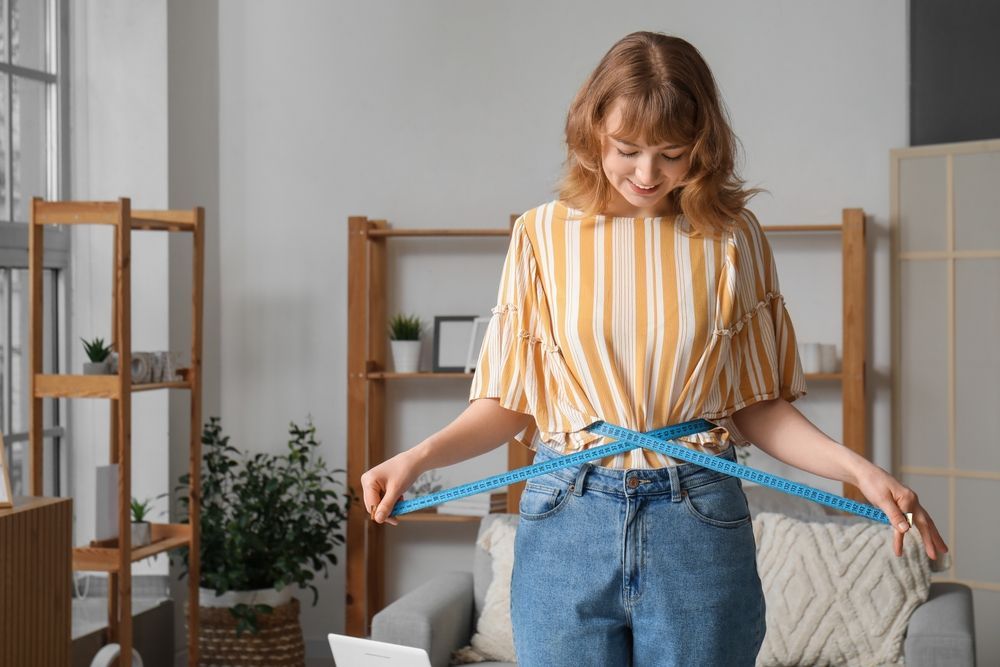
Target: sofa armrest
(436, 616)
(942, 631)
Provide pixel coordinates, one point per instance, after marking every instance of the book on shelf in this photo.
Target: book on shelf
(478, 505)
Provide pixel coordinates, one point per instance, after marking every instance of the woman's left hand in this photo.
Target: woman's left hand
(895, 499)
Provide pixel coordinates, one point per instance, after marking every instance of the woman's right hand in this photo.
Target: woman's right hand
(384, 485)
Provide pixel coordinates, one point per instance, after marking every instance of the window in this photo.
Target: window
(33, 163)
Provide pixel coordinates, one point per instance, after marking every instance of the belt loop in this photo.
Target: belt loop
(675, 484)
(578, 484)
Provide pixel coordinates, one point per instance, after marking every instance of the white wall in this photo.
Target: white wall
(450, 113)
(119, 134)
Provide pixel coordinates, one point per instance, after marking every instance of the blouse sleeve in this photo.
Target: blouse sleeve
(512, 364)
(760, 359)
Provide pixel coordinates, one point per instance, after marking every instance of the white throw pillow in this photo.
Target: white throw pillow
(836, 592)
(494, 636)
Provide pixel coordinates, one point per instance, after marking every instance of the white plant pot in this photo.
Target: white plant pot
(268, 596)
(142, 534)
(405, 355)
(96, 368)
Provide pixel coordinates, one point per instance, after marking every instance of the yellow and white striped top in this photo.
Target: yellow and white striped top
(638, 322)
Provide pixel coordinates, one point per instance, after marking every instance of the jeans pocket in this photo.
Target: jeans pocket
(542, 499)
(721, 503)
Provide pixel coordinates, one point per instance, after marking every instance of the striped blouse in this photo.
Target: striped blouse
(637, 322)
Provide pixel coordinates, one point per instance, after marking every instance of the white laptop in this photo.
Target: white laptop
(355, 652)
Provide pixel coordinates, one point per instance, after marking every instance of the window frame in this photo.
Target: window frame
(14, 233)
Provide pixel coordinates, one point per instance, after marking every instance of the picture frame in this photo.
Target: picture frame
(451, 340)
(6, 495)
(476, 336)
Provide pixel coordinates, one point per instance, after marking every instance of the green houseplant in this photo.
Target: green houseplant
(268, 522)
(141, 527)
(404, 339)
(98, 353)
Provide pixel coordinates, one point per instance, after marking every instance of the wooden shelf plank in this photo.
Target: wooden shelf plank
(92, 386)
(403, 376)
(439, 517)
(76, 386)
(178, 384)
(802, 228)
(506, 232)
(104, 558)
(163, 221)
(833, 377)
(78, 213)
(438, 232)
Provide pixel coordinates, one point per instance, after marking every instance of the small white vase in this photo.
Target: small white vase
(405, 355)
(142, 534)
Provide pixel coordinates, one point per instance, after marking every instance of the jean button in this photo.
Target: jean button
(633, 482)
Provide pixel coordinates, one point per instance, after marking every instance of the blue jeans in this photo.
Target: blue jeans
(649, 568)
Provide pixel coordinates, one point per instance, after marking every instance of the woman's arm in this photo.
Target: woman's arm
(779, 429)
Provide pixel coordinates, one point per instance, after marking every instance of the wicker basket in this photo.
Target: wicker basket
(278, 644)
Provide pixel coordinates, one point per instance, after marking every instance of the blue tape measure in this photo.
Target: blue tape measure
(657, 441)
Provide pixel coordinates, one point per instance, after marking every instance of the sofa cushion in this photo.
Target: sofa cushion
(494, 638)
(835, 591)
(765, 499)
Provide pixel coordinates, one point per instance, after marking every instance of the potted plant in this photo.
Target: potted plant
(404, 338)
(268, 522)
(98, 353)
(142, 533)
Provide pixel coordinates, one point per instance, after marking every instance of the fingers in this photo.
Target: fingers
(376, 503)
(381, 513)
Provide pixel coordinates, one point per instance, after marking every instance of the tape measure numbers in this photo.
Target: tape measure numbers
(657, 441)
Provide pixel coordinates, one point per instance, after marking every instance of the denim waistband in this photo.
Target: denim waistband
(649, 480)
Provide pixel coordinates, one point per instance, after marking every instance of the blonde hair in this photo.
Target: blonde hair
(668, 95)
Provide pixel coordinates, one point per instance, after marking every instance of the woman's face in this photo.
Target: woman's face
(631, 168)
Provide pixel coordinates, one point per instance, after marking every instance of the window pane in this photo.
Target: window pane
(4, 87)
(18, 454)
(28, 21)
(3, 31)
(30, 145)
(17, 467)
(21, 378)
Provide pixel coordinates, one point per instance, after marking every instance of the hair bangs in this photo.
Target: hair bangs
(656, 119)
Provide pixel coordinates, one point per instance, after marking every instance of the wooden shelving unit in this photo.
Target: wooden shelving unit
(116, 556)
(367, 376)
(854, 333)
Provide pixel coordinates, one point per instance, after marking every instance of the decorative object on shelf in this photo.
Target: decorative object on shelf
(828, 358)
(404, 339)
(451, 342)
(428, 482)
(150, 367)
(479, 326)
(6, 497)
(743, 455)
(809, 356)
(268, 521)
(107, 502)
(818, 357)
(98, 353)
(142, 530)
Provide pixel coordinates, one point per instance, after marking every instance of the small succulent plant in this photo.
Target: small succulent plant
(97, 351)
(142, 508)
(403, 327)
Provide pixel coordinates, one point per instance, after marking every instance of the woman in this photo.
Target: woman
(646, 295)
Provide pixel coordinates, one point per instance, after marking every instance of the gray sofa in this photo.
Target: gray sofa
(440, 615)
